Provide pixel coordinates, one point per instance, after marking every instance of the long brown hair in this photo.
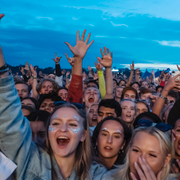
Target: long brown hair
(83, 157)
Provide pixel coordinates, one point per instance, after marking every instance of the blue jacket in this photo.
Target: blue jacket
(33, 163)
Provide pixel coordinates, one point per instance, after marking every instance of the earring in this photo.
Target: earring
(95, 150)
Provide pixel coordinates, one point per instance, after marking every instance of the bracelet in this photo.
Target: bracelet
(5, 66)
(162, 97)
(4, 70)
(33, 77)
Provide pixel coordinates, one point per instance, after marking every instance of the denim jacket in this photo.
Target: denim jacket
(33, 163)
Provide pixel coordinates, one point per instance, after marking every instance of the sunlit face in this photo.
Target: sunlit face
(105, 112)
(144, 84)
(22, 90)
(141, 108)
(63, 93)
(135, 86)
(47, 87)
(93, 114)
(145, 96)
(66, 131)
(118, 92)
(176, 132)
(91, 95)
(149, 150)
(129, 94)
(128, 112)
(38, 132)
(47, 105)
(110, 139)
(28, 102)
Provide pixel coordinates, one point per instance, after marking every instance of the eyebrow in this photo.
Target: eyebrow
(148, 151)
(113, 132)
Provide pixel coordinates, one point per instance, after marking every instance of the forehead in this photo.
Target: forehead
(48, 101)
(106, 109)
(95, 107)
(140, 140)
(63, 91)
(46, 83)
(127, 103)
(21, 86)
(177, 123)
(66, 113)
(91, 89)
(130, 92)
(27, 101)
(112, 125)
(37, 126)
(119, 88)
(141, 105)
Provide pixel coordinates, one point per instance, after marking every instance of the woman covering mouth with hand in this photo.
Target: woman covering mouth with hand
(109, 140)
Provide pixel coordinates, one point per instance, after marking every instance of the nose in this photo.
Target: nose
(63, 128)
(109, 139)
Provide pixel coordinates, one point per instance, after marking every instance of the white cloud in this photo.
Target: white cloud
(144, 66)
(118, 24)
(91, 24)
(169, 43)
(74, 18)
(40, 17)
(100, 36)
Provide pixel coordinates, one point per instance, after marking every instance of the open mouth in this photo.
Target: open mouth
(94, 119)
(91, 100)
(62, 141)
(107, 148)
(128, 116)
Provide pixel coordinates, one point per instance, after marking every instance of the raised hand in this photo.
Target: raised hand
(106, 60)
(67, 73)
(89, 68)
(98, 65)
(27, 66)
(22, 70)
(137, 71)
(145, 172)
(33, 71)
(178, 67)
(1, 15)
(152, 72)
(132, 66)
(57, 59)
(70, 60)
(173, 82)
(81, 47)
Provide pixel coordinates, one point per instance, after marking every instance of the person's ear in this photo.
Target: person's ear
(83, 137)
(123, 145)
(167, 160)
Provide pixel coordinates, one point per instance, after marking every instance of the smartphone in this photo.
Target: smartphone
(174, 73)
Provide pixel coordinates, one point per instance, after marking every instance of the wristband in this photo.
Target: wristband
(163, 97)
(5, 66)
(34, 77)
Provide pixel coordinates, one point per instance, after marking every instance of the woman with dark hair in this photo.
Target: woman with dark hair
(29, 101)
(109, 140)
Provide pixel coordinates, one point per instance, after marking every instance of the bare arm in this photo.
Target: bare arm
(172, 83)
(131, 75)
(106, 61)
(34, 73)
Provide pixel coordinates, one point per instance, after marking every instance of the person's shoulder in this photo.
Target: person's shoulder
(173, 177)
(97, 170)
(109, 175)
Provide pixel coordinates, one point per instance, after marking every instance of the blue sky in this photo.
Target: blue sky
(146, 32)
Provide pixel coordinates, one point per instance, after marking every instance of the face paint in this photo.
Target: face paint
(104, 129)
(76, 118)
(55, 116)
(51, 129)
(74, 130)
(65, 115)
(119, 131)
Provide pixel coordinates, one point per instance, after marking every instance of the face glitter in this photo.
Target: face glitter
(104, 129)
(74, 130)
(51, 129)
(55, 116)
(76, 118)
(65, 115)
(119, 131)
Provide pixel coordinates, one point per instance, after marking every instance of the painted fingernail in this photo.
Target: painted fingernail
(135, 163)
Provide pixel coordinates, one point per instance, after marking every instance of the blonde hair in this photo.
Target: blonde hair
(83, 156)
(166, 146)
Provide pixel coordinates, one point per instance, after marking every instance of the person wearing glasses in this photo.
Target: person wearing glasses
(67, 154)
(149, 154)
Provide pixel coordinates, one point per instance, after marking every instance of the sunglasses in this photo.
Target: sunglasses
(161, 126)
(78, 105)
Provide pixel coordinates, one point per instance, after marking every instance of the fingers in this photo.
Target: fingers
(77, 36)
(66, 56)
(90, 43)
(159, 175)
(105, 50)
(100, 60)
(70, 47)
(175, 169)
(88, 38)
(178, 67)
(133, 176)
(95, 64)
(139, 171)
(83, 35)
(111, 54)
(108, 50)
(102, 52)
(1, 15)
(55, 55)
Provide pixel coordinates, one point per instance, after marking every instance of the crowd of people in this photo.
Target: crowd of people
(95, 126)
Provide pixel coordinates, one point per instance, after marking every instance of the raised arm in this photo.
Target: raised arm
(131, 75)
(102, 84)
(172, 83)
(75, 92)
(106, 61)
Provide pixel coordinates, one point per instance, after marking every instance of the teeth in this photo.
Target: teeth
(108, 148)
(61, 137)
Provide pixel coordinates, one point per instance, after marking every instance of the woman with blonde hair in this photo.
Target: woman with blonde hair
(149, 154)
